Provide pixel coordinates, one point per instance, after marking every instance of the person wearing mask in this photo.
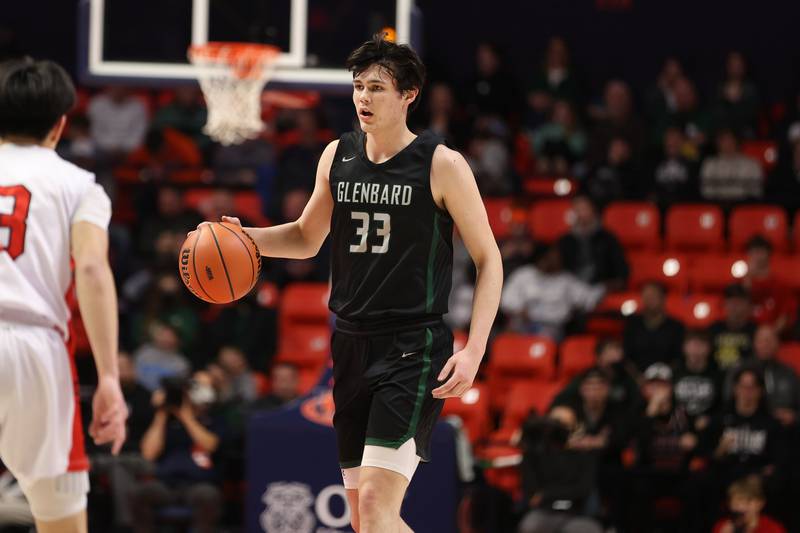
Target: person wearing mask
(591, 252)
(732, 337)
(651, 336)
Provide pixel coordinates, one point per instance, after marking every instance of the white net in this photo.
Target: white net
(232, 77)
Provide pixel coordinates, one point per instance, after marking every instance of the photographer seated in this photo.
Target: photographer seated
(746, 501)
(557, 479)
(181, 441)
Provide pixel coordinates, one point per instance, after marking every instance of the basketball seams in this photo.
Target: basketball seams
(194, 265)
(253, 270)
(224, 266)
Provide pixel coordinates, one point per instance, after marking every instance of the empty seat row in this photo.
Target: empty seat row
(688, 227)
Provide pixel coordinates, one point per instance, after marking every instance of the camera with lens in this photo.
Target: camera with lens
(175, 391)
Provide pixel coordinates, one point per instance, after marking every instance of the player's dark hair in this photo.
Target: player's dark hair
(399, 60)
(33, 96)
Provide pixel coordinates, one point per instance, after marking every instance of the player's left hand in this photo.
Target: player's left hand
(461, 367)
(109, 413)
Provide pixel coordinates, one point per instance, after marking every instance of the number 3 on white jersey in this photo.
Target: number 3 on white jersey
(385, 232)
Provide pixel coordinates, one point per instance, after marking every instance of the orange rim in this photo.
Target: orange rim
(244, 59)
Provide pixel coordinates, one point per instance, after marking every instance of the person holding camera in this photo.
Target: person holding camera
(557, 479)
(746, 501)
(181, 442)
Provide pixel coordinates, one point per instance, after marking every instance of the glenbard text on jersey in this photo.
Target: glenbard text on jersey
(373, 193)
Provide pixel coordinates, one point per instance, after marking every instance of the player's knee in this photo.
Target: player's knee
(57, 498)
(369, 500)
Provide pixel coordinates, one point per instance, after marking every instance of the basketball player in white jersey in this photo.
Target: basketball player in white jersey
(51, 212)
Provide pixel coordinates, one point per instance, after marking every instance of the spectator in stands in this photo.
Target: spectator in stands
(489, 157)
(665, 442)
(171, 215)
(782, 387)
(733, 336)
(615, 118)
(122, 470)
(166, 155)
(557, 480)
(730, 176)
(118, 121)
(77, 144)
(560, 143)
(660, 99)
(555, 80)
(284, 387)
(243, 386)
(493, 91)
(675, 174)
(181, 441)
(698, 381)
(684, 112)
(541, 298)
(442, 115)
(651, 336)
(160, 358)
(744, 439)
(591, 252)
(746, 500)
(773, 301)
(252, 162)
(616, 177)
(623, 389)
(783, 185)
(737, 101)
(518, 248)
(186, 114)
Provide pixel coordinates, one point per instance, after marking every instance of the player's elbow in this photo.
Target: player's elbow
(91, 268)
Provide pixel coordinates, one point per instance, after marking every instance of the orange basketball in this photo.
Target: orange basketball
(219, 262)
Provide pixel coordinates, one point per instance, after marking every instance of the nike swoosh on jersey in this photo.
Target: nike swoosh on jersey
(406, 354)
(346, 159)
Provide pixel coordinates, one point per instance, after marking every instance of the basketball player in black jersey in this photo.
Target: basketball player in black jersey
(390, 199)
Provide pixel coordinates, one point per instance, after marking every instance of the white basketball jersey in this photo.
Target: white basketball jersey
(41, 196)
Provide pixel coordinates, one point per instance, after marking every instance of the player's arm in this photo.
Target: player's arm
(97, 299)
(302, 238)
(452, 181)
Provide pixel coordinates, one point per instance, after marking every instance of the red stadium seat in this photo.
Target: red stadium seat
(766, 220)
(305, 302)
(623, 303)
(516, 358)
(666, 268)
(637, 225)
(501, 214)
(473, 409)
(550, 219)
(549, 188)
(695, 310)
(305, 345)
(765, 152)
(576, 355)
(789, 353)
(460, 339)
(695, 227)
(787, 269)
(524, 398)
(248, 204)
(714, 272)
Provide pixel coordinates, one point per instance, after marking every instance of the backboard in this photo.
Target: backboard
(145, 41)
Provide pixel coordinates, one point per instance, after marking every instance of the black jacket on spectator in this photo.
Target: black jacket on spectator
(731, 346)
(616, 422)
(758, 443)
(180, 464)
(645, 346)
(563, 477)
(658, 441)
(140, 415)
(623, 391)
(782, 385)
(699, 393)
(597, 259)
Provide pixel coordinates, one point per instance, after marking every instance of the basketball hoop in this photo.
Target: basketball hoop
(232, 77)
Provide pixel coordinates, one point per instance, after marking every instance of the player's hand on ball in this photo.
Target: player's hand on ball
(461, 367)
(232, 220)
(109, 413)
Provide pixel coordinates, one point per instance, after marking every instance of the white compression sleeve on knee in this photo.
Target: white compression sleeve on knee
(57, 497)
(403, 460)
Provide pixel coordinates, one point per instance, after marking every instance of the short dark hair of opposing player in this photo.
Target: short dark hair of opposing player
(33, 96)
(399, 60)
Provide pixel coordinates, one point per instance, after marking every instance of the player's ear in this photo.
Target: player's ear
(410, 95)
(54, 135)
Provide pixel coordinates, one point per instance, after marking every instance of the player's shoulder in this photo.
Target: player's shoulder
(449, 164)
(328, 156)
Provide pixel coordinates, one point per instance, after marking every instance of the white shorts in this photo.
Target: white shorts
(40, 429)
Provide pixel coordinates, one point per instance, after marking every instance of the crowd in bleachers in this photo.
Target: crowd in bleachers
(646, 351)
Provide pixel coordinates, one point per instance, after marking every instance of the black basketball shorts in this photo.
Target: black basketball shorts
(382, 388)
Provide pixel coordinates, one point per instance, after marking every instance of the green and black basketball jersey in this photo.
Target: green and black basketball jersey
(392, 246)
